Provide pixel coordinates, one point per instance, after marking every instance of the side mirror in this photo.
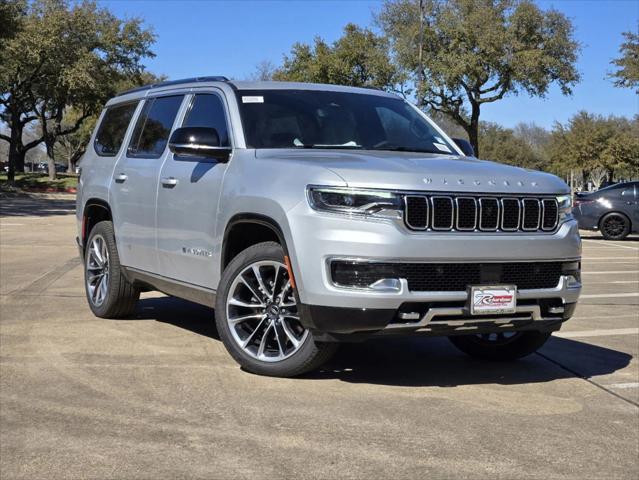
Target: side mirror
(197, 143)
(465, 146)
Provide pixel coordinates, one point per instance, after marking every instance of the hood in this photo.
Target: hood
(422, 171)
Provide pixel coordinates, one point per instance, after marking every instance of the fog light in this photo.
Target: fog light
(572, 282)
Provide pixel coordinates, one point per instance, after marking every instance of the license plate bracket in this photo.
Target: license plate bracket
(492, 299)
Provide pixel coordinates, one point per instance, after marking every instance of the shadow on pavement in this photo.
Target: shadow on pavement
(415, 361)
(28, 205)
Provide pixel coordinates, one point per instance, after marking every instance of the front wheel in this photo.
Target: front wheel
(258, 319)
(500, 345)
(615, 226)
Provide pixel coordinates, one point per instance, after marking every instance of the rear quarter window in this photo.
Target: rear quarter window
(112, 129)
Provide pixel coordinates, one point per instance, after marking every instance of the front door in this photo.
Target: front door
(188, 197)
(135, 183)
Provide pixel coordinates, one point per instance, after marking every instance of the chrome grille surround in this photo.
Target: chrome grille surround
(513, 214)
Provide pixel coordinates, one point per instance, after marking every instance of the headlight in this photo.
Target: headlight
(565, 207)
(351, 201)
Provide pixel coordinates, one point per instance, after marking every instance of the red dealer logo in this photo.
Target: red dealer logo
(488, 299)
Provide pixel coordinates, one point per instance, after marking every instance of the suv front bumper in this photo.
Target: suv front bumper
(319, 238)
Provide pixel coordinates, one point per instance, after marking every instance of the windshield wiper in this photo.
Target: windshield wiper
(348, 145)
(411, 149)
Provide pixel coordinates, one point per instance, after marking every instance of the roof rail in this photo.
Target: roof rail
(214, 78)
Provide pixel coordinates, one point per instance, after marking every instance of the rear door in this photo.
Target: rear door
(188, 198)
(135, 182)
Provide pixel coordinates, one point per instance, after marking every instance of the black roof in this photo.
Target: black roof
(214, 78)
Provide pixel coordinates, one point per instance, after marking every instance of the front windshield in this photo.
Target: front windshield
(327, 119)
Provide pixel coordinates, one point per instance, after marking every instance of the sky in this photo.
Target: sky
(230, 38)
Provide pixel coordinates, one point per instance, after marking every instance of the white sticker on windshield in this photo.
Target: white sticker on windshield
(442, 148)
(259, 99)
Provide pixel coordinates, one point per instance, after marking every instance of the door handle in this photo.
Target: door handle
(169, 182)
(121, 178)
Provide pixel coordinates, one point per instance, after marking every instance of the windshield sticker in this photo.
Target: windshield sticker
(259, 99)
(442, 148)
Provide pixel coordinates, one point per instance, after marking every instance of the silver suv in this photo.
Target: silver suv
(308, 215)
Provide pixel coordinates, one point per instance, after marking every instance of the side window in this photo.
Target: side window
(111, 132)
(152, 129)
(207, 111)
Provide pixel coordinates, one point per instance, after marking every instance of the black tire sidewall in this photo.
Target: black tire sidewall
(526, 343)
(105, 229)
(297, 363)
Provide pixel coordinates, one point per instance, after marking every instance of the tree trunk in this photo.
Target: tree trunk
(51, 159)
(473, 130)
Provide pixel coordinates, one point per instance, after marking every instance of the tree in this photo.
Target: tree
(463, 54)
(627, 74)
(264, 71)
(502, 145)
(64, 55)
(359, 58)
(591, 143)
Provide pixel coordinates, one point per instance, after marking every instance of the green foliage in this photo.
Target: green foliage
(503, 145)
(588, 143)
(63, 54)
(465, 53)
(627, 74)
(359, 58)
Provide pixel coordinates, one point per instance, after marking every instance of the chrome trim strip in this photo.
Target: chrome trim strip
(465, 229)
(503, 212)
(425, 198)
(428, 318)
(452, 213)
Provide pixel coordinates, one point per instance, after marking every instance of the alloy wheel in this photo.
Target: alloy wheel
(262, 314)
(614, 226)
(97, 275)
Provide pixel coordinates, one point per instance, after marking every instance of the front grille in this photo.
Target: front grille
(448, 277)
(480, 213)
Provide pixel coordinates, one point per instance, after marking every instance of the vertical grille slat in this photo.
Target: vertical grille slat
(466, 213)
(510, 214)
(532, 214)
(443, 213)
(488, 214)
(550, 214)
(469, 213)
(416, 215)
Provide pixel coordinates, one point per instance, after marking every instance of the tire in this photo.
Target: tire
(264, 334)
(111, 295)
(502, 346)
(614, 226)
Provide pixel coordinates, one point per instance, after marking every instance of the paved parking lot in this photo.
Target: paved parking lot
(157, 395)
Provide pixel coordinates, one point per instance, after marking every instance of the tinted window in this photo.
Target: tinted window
(331, 119)
(111, 132)
(152, 129)
(207, 111)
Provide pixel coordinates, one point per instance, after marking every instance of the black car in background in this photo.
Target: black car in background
(613, 210)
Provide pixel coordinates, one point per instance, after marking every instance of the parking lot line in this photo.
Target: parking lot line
(610, 272)
(597, 333)
(623, 385)
(609, 244)
(610, 295)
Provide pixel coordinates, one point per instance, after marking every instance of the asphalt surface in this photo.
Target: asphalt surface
(157, 396)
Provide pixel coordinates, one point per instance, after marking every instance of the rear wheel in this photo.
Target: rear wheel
(500, 345)
(614, 226)
(109, 293)
(258, 319)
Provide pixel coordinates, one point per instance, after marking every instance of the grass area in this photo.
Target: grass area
(41, 182)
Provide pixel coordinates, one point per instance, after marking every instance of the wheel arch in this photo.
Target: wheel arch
(95, 210)
(246, 229)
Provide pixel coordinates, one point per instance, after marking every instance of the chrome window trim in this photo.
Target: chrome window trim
(425, 198)
(465, 229)
(503, 211)
(496, 200)
(452, 213)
